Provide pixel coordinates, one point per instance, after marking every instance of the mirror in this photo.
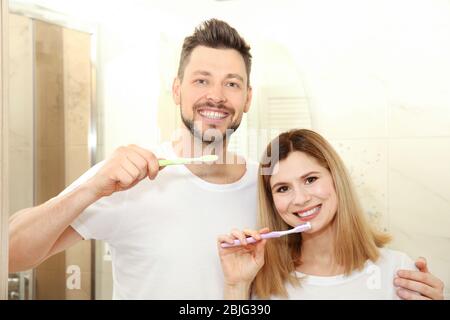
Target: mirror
(57, 118)
(86, 77)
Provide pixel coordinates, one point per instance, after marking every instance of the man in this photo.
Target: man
(162, 230)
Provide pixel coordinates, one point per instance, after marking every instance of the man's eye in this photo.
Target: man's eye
(310, 180)
(200, 81)
(233, 84)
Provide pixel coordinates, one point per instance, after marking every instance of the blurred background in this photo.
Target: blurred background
(373, 77)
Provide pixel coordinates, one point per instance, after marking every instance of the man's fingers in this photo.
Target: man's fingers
(421, 264)
(408, 295)
(131, 169)
(412, 285)
(419, 276)
(152, 161)
(124, 178)
(139, 162)
(435, 285)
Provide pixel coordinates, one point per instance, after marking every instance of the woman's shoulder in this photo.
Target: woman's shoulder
(395, 259)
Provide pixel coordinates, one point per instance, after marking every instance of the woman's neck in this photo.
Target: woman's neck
(318, 254)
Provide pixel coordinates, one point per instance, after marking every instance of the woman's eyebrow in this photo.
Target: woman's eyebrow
(302, 177)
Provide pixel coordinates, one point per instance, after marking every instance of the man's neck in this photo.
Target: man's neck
(227, 169)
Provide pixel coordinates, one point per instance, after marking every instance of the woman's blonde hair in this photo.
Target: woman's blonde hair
(356, 240)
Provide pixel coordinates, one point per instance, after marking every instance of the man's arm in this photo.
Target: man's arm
(39, 232)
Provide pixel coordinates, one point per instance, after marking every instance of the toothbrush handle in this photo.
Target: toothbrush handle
(167, 162)
(251, 239)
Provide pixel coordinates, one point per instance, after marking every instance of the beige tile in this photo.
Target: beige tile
(49, 84)
(50, 285)
(419, 181)
(347, 105)
(366, 161)
(21, 185)
(49, 172)
(77, 86)
(103, 286)
(410, 119)
(84, 293)
(77, 160)
(80, 255)
(50, 278)
(20, 82)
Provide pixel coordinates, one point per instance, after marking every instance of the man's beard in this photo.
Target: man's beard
(196, 133)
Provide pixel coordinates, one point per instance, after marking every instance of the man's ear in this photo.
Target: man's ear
(176, 91)
(249, 99)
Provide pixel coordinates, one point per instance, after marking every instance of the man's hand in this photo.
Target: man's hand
(422, 281)
(123, 170)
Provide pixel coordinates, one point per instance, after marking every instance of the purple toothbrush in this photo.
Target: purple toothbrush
(273, 234)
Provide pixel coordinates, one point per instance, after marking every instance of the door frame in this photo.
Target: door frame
(4, 210)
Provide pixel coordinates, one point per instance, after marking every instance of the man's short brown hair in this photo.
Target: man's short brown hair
(215, 34)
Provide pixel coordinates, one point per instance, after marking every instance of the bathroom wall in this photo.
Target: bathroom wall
(376, 75)
(381, 93)
(378, 82)
(20, 113)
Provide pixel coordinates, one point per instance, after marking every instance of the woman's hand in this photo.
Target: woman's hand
(240, 264)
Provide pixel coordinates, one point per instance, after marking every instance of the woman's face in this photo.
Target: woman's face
(303, 191)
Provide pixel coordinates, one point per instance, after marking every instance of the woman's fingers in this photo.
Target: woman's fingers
(240, 235)
(252, 233)
(225, 238)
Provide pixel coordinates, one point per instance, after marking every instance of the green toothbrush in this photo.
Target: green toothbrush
(168, 162)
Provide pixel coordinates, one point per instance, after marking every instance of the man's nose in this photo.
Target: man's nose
(215, 94)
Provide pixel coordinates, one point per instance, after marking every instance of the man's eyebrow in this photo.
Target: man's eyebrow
(202, 72)
(228, 76)
(234, 75)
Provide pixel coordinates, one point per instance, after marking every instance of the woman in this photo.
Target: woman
(340, 257)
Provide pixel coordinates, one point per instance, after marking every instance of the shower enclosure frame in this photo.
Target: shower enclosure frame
(40, 13)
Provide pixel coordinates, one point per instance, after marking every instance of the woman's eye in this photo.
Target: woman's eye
(310, 180)
(282, 189)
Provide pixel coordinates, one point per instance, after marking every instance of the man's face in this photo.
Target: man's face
(213, 94)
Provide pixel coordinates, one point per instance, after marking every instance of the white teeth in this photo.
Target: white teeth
(309, 212)
(213, 115)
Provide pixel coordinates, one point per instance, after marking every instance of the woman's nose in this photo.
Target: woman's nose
(301, 196)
